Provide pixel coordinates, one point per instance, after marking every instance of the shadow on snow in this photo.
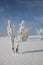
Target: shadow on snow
(34, 51)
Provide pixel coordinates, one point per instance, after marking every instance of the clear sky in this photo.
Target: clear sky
(31, 11)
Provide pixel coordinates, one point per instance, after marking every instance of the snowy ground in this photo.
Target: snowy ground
(30, 52)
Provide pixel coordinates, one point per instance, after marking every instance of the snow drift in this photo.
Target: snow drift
(30, 52)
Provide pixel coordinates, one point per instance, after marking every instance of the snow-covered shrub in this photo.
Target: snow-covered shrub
(40, 32)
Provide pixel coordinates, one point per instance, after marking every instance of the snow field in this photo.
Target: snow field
(30, 52)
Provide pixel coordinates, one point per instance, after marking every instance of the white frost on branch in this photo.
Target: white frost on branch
(23, 32)
(10, 30)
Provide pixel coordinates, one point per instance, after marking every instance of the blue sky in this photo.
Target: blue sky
(31, 11)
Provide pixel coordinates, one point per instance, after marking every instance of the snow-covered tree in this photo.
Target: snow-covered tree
(19, 37)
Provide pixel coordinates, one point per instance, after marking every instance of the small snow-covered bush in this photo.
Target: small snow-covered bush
(40, 32)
